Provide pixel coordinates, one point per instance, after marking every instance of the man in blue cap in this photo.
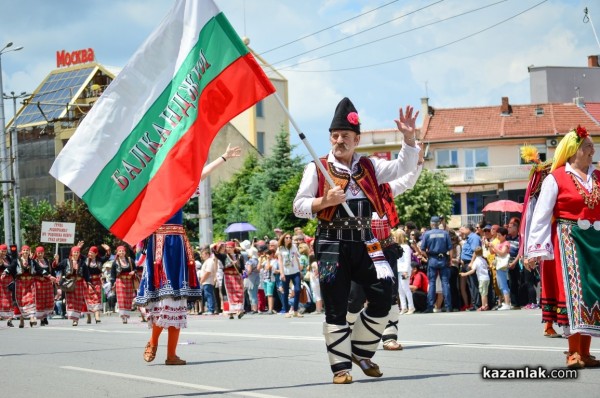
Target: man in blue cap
(437, 245)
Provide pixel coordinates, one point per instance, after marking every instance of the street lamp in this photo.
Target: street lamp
(14, 147)
(3, 160)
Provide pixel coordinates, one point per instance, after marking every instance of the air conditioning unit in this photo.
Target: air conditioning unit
(552, 142)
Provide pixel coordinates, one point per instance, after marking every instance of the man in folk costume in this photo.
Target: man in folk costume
(345, 247)
(44, 288)
(6, 288)
(565, 226)
(551, 309)
(382, 229)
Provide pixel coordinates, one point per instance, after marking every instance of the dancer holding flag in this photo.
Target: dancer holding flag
(341, 241)
(170, 278)
(153, 127)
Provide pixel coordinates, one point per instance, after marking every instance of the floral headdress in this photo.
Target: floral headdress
(568, 146)
(581, 133)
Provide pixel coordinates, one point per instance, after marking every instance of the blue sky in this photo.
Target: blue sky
(417, 48)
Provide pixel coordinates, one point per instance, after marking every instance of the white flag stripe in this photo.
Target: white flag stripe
(130, 95)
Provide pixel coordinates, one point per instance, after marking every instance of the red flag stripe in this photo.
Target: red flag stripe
(170, 189)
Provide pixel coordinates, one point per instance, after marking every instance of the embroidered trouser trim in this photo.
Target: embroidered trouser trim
(391, 329)
(366, 335)
(337, 340)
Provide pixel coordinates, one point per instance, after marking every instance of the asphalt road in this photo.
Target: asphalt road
(271, 356)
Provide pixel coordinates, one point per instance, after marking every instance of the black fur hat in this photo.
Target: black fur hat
(345, 117)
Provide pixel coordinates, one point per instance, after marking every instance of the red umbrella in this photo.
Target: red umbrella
(507, 206)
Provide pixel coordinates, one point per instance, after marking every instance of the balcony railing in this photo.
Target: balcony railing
(485, 175)
(456, 221)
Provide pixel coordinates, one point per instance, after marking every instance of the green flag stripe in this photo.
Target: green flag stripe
(136, 162)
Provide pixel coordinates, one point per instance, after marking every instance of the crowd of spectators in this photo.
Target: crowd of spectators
(480, 268)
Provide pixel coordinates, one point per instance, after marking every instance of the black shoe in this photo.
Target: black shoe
(428, 311)
(44, 322)
(97, 320)
(9, 324)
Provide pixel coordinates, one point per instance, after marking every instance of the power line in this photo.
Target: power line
(423, 52)
(358, 33)
(327, 28)
(394, 35)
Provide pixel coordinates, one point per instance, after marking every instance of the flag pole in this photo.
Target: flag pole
(311, 151)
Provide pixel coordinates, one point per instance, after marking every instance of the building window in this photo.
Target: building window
(477, 200)
(477, 157)
(259, 109)
(260, 142)
(456, 204)
(446, 158)
(541, 152)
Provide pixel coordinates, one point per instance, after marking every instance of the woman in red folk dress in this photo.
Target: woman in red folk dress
(122, 273)
(93, 296)
(6, 295)
(24, 271)
(74, 268)
(44, 288)
(565, 227)
(234, 285)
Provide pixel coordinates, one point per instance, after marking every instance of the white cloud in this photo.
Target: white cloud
(477, 71)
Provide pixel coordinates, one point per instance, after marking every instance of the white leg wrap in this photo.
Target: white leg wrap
(337, 340)
(351, 318)
(366, 335)
(391, 329)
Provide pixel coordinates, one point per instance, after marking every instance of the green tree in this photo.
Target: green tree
(283, 202)
(32, 215)
(190, 224)
(232, 200)
(87, 228)
(430, 196)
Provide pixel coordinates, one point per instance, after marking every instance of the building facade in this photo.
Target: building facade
(478, 148)
(50, 116)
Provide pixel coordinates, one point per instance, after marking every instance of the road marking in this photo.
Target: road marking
(172, 383)
(485, 346)
(459, 324)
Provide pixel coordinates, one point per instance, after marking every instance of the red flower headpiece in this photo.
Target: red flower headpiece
(581, 132)
(353, 118)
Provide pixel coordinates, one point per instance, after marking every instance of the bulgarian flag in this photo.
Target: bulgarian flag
(137, 157)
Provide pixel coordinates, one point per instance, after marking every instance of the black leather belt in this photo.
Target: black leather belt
(438, 255)
(346, 223)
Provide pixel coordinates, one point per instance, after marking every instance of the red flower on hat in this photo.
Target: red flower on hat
(353, 118)
(581, 132)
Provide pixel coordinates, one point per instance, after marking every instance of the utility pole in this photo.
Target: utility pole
(8, 237)
(205, 231)
(14, 146)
